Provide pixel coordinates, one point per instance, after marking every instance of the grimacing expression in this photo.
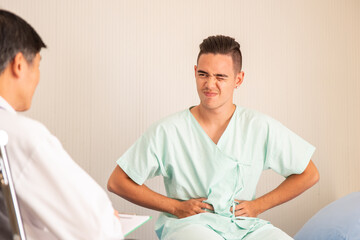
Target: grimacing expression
(216, 80)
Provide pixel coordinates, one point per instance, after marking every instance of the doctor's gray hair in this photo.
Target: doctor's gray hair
(220, 44)
(16, 35)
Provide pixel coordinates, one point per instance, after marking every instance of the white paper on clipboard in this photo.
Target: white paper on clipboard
(130, 223)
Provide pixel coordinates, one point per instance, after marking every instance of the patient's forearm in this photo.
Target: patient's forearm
(120, 184)
(290, 188)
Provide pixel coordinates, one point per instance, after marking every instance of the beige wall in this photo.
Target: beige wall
(113, 67)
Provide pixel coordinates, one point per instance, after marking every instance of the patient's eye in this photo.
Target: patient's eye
(203, 75)
(221, 77)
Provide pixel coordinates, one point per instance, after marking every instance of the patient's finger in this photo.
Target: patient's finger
(200, 199)
(241, 213)
(236, 202)
(207, 206)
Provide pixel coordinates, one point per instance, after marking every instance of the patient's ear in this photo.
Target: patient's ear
(239, 78)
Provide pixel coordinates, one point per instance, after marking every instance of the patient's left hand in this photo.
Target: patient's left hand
(246, 209)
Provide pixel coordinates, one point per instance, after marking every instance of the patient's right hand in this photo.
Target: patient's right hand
(191, 207)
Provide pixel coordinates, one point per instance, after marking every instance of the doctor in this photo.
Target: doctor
(211, 157)
(58, 200)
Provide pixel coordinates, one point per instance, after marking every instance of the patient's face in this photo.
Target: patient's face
(215, 80)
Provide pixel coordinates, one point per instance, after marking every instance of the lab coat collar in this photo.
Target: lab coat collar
(5, 105)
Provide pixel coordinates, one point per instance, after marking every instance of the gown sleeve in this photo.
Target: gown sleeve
(142, 160)
(286, 152)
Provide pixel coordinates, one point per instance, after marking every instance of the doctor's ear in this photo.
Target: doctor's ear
(18, 65)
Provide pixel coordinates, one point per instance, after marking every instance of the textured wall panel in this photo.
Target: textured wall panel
(114, 67)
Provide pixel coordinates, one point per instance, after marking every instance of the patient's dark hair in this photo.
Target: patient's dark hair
(222, 45)
(16, 35)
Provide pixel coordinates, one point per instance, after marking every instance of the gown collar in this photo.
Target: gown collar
(229, 126)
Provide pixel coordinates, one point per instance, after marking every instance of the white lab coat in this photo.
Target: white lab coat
(58, 199)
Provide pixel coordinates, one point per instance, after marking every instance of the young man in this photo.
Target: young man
(211, 157)
(58, 200)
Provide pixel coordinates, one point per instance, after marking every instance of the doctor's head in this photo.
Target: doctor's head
(20, 47)
(218, 71)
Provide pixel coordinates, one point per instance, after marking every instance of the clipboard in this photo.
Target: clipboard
(130, 223)
(8, 190)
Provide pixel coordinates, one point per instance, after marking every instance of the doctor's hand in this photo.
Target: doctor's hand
(191, 207)
(116, 213)
(246, 209)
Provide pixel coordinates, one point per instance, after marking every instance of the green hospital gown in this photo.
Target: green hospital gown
(193, 166)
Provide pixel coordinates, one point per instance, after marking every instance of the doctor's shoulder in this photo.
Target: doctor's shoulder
(27, 132)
